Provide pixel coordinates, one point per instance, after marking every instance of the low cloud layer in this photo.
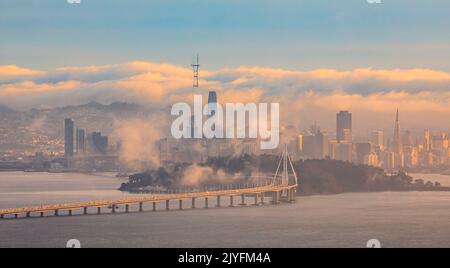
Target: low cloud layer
(423, 95)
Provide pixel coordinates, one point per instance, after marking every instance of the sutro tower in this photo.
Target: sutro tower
(195, 66)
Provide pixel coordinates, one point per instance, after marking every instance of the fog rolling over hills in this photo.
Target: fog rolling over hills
(43, 129)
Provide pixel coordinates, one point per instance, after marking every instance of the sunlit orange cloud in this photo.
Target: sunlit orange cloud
(402, 75)
(173, 70)
(437, 102)
(361, 73)
(153, 85)
(251, 95)
(161, 84)
(12, 71)
(29, 88)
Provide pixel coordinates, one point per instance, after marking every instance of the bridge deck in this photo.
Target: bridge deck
(155, 198)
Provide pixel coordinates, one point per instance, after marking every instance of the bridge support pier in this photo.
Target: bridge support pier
(70, 212)
(242, 200)
(206, 202)
(127, 208)
(262, 198)
(193, 203)
(231, 201)
(99, 210)
(181, 204)
(218, 201)
(167, 205)
(85, 211)
(256, 199)
(113, 208)
(275, 197)
(56, 212)
(42, 214)
(16, 216)
(28, 214)
(141, 207)
(154, 206)
(2, 216)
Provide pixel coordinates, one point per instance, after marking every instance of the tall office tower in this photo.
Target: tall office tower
(398, 148)
(407, 139)
(212, 106)
(163, 146)
(371, 160)
(345, 150)
(322, 144)
(212, 103)
(344, 126)
(347, 135)
(426, 140)
(309, 146)
(316, 146)
(411, 156)
(300, 142)
(388, 160)
(68, 137)
(378, 140)
(100, 142)
(81, 141)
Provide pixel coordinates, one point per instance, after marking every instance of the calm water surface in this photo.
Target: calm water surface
(348, 220)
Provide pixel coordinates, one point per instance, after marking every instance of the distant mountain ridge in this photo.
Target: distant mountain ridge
(113, 107)
(24, 128)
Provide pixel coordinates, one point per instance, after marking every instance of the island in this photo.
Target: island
(316, 176)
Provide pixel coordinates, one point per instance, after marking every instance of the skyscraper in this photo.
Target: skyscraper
(344, 126)
(100, 142)
(378, 140)
(316, 145)
(68, 137)
(300, 142)
(399, 157)
(426, 140)
(212, 103)
(80, 139)
(363, 149)
(398, 146)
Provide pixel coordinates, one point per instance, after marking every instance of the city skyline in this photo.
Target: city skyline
(402, 150)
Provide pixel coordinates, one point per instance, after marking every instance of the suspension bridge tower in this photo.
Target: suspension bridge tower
(285, 174)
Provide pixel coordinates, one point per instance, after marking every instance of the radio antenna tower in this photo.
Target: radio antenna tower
(195, 67)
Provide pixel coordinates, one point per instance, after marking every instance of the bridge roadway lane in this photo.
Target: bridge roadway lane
(157, 198)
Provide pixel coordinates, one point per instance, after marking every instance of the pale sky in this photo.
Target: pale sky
(293, 34)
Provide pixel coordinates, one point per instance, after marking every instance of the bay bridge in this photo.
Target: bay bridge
(281, 188)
